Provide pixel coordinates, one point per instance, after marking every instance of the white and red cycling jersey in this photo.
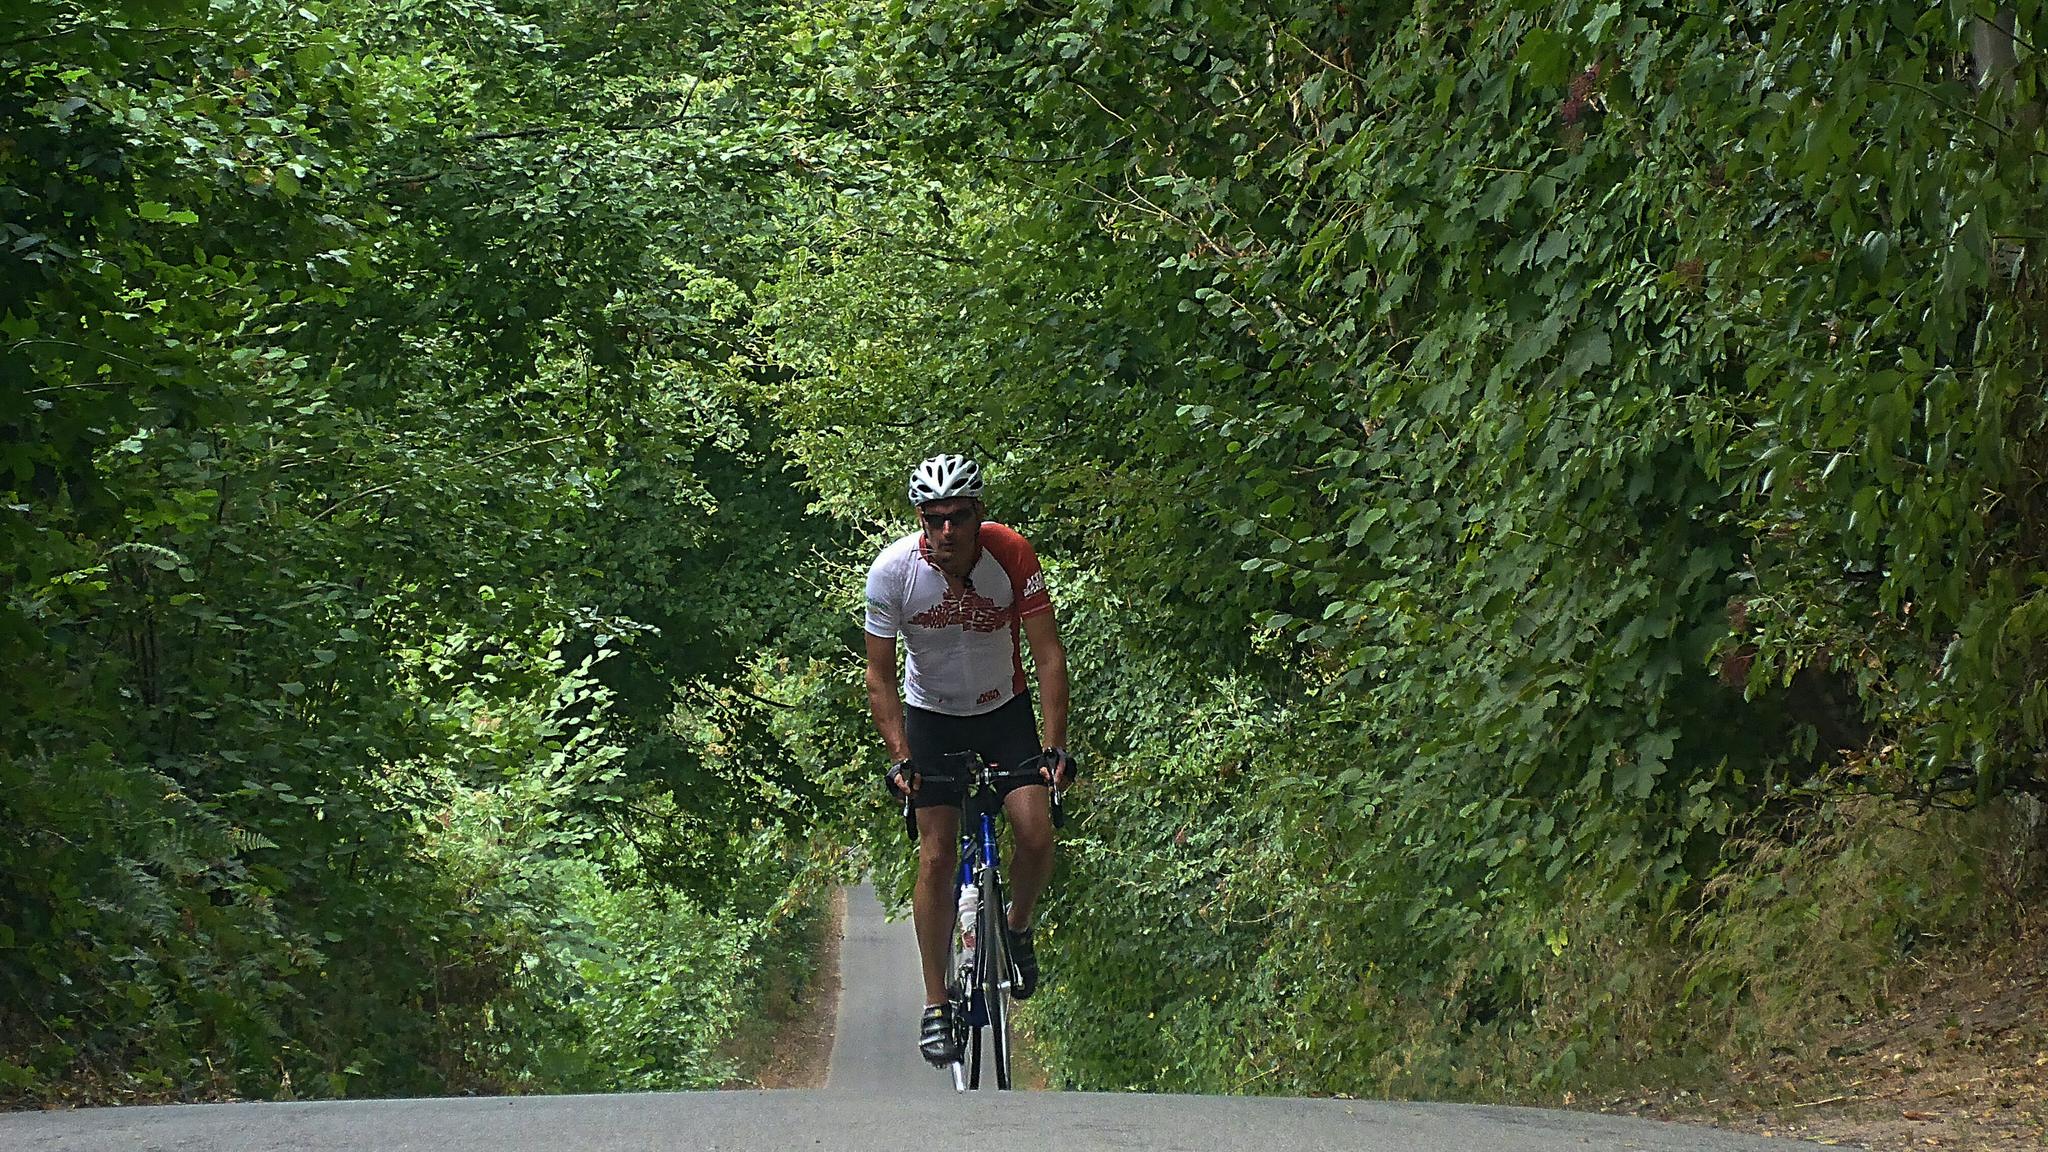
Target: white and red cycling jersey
(963, 656)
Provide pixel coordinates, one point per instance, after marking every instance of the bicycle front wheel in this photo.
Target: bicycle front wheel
(995, 975)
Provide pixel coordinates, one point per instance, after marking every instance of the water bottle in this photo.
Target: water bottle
(970, 909)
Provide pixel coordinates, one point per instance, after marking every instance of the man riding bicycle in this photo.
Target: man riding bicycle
(957, 592)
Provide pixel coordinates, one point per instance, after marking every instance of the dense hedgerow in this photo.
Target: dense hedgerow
(1523, 473)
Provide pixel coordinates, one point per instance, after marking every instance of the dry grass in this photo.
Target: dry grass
(1962, 1062)
(1896, 987)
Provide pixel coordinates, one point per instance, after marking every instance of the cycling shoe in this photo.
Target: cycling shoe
(935, 1037)
(1025, 957)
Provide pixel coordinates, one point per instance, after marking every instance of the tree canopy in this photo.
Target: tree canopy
(1510, 471)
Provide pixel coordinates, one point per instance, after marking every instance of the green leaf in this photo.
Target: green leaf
(1605, 14)
(1545, 56)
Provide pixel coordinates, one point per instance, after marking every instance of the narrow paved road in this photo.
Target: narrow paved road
(880, 996)
(879, 1098)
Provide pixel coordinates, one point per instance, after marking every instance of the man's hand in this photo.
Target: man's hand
(900, 780)
(1058, 768)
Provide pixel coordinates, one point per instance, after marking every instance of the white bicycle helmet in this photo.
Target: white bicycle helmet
(945, 477)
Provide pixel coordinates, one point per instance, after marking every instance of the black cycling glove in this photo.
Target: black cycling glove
(897, 780)
(1056, 759)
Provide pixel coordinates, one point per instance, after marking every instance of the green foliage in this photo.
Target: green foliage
(1581, 441)
(1511, 472)
(374, 460)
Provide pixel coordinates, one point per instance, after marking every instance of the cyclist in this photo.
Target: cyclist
(957, 592)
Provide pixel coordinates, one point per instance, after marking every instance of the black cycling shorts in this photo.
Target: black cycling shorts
(1006, 738)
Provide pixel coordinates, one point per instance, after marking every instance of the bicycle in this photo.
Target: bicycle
(979, 974)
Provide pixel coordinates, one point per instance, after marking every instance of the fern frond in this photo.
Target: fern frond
(243, 840)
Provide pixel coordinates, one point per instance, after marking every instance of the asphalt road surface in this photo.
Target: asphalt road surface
(879, 1098)
(881, 996)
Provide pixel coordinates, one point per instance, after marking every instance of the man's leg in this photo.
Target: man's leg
(1030, 817)
(932, 907)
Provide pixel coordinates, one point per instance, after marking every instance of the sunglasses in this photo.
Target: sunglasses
(936, 521)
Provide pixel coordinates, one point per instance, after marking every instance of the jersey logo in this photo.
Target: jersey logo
(989, 695)
(1034, 585)
(973, 611)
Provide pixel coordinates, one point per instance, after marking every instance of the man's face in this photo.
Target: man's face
(950, 528)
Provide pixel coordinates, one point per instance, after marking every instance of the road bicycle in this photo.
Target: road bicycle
(979, 972)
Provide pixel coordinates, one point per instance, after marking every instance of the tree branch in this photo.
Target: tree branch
(369, 492)
(761, 699)
(682, 114)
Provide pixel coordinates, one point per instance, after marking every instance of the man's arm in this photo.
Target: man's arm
(884, 702)
(1049, 656)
